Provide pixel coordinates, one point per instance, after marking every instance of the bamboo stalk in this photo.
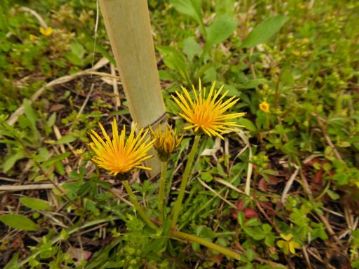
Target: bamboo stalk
(129, 30)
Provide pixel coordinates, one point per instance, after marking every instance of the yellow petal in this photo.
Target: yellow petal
(207, 111)
(120, 155)
(292, 246)
(286, 237)
(46, 31)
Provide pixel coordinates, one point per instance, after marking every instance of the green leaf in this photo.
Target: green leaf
(70, 189)
(76, 54)
(19, 222)
(34, 203)
(206, 176)
(252, 222)
(241, 218)
(190, 8)
(210, 74)
(51, 120)
(191, 48)
(225, 7)
(205, 232)
(222, 27)
(247, 124)
(10, 162)
(57, 158)
(77, 49)
(264, 31)
(252, 84)
(30, 112)
(333, 195)
(175, 60)
(172, 58)
(250, 254)
(66, 139)
(254, 232)
(91, 206)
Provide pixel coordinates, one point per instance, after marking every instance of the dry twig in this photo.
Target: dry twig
(44, 186)
(36, 15)
(289, 185)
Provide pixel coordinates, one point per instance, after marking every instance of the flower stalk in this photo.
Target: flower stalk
(161, 192)
(196, 239)
(177, 234)
(137, 206)
(187, 172)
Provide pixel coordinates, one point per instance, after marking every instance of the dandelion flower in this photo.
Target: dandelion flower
(119, 155)
(166, 141)
(207, 111)
(46, 31)
(264, 106)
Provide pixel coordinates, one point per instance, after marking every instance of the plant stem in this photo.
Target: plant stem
(137, 206)
(195, 239)
(186, 174)
(223, 250)
(161, 192)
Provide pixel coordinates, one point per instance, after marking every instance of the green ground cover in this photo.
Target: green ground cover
(295, 67)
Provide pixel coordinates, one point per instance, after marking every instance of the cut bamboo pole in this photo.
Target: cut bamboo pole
(128, 27)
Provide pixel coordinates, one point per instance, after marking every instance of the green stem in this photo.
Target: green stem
(223, 250)
(195, 239)
(137, 206)
(186, 174)
(161, 192)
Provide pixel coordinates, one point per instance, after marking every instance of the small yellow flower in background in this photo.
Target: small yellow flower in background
(166, 141)
(264, 106)
(305, 40)
(119, 155)
(79, 151)
(32, 38)
(46, 31)
(207, 111)
(288, 245)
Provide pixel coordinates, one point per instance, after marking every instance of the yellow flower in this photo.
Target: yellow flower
(207, 111)
(264, 106)
(119, 155)
(46, 31)
(288, 245)
(32, 38)
(78, 152)
(166, 141)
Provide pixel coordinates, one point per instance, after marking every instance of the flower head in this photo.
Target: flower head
(166, 141)
(120, 155)
(288, 245)
(46, 31)
(264, 106)
(207, 110)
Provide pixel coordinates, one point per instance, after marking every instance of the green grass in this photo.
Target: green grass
(301, 57)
